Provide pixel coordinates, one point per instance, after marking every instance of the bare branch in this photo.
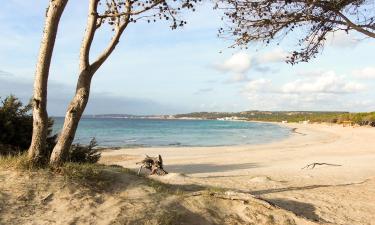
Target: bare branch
(115, 40)
(89, 35)
(358, 28)
(130, 13)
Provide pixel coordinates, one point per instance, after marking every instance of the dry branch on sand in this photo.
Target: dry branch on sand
(312, 165)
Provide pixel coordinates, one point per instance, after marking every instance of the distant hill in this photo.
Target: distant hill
(290, 116)
(255, 115)
(127, 116)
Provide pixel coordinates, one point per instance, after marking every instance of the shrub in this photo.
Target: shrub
(84, 153)
(16, 124)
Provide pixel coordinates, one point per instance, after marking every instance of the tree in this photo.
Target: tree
(118, 14)
(268, 20)
(37, 149)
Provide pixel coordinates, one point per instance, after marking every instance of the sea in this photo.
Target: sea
(124, 132)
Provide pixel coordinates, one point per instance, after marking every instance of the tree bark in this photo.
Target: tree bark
(37, 153)
(72, 118)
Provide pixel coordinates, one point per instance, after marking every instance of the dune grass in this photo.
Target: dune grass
(19, 162)
(88, 174)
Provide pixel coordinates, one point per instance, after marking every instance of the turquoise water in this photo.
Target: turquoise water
(154, 132)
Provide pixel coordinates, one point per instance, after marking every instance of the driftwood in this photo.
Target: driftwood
(312, 165)
(154, 164)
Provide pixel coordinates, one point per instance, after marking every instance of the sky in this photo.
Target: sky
(155, 70)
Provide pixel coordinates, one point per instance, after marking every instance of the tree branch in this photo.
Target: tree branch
(115, 40)
(355, 26)
(130, 13)
(89, 35)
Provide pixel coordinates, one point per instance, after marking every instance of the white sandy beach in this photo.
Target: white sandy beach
(342, 194)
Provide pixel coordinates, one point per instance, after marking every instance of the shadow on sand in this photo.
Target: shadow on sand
(309, 187)
(208, 167)
(299, 208)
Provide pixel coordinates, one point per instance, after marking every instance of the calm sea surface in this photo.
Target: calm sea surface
(154, 132)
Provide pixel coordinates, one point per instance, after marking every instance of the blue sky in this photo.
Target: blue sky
(158, 71)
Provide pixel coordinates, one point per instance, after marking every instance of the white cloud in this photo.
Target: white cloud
(327, 82)
(238, 63)
(365, 73)
(258, 85)
(315, 91)
(237, 77)
(324, 83)
(276, 55)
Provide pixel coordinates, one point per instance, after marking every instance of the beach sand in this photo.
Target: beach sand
(343, 194)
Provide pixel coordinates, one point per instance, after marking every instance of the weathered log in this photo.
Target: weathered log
(154, 164)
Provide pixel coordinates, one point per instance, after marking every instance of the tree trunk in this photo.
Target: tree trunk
(37, 152)
(72, 118)
(87, 70)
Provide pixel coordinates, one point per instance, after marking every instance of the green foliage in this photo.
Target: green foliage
(16, 127)
(84, 153)
(16, 124)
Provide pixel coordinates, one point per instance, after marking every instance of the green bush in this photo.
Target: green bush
(16, 125)
(84, 153)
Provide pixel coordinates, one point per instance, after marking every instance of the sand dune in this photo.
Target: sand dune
(342, 194)
(41, 197)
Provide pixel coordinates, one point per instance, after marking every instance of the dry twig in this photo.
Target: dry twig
(312, 165)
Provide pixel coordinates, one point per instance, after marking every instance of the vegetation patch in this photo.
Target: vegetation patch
(19, 162)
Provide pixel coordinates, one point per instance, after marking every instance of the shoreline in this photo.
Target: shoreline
(273, 171)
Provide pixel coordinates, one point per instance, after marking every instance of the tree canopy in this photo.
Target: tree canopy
(272, 20)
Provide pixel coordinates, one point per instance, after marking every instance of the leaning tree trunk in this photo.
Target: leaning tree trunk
(37, 152)
(72, 118)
